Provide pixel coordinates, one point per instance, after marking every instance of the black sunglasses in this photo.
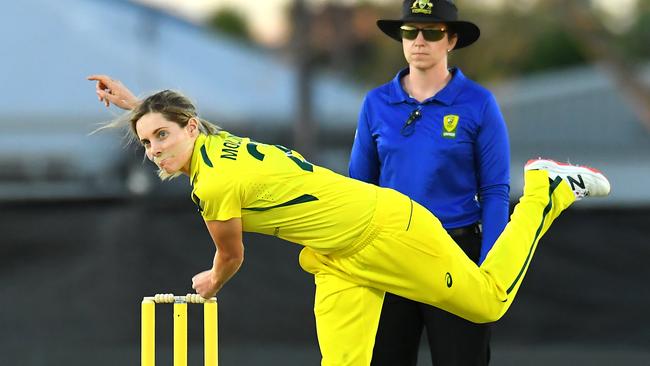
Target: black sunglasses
(430, 34)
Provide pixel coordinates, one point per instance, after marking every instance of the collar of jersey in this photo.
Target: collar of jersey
(445, 96)
(194, 164)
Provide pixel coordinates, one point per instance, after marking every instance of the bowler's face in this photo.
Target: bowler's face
(166, 143)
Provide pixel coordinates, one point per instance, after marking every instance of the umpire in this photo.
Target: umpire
(440, 138)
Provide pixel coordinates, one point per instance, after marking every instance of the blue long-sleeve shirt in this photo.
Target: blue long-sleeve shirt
(453, 158)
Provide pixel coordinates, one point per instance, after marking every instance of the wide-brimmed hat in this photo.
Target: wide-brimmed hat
(432, 11)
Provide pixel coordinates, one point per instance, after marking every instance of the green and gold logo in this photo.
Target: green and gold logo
(449, 124)
(421, 7)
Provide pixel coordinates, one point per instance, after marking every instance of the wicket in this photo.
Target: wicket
(148, 340)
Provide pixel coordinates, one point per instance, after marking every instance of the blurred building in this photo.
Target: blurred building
(49, 108)
(578, 115)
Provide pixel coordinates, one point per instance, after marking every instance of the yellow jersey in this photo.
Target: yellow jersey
(276, 192)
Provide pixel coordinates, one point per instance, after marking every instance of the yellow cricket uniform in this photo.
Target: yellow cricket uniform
(350, 231)
(276, 192)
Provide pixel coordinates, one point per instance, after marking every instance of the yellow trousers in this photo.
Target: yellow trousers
(406, 251)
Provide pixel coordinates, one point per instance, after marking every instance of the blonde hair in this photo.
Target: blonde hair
(174, 106)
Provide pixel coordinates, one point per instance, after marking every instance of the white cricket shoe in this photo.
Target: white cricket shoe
(584, 181)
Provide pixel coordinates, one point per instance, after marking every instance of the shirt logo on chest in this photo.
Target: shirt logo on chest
(449, 125)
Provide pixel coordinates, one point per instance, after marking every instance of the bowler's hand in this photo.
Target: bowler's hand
(113, 91)
(205, 284)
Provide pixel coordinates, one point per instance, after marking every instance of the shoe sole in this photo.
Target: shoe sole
(564, 168)
(559, 166)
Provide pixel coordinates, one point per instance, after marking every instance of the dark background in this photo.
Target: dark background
(73, 273)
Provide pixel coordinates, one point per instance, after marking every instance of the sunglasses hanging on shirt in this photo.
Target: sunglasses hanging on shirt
(409, 125)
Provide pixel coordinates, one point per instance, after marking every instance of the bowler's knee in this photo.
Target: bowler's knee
(308, 261)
